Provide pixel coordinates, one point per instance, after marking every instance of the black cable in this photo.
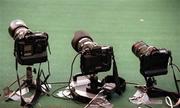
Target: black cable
(174, 75)
(53, 93)
(68, 85)
(55, 96)
(39, 69)
(49, 48)
(176, 67)
(72, 69)
(61, 82)
(175, 79)
(49, 70)
(16, 81)
(132, 83)
(57, 82)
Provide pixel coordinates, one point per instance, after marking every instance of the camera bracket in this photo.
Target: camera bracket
(35, 88)
(93, 86)
(154, 92)
(38, 89)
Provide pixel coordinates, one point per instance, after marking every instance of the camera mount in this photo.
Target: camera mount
(94, 59)
(154, 62)
(153, 91)
(29, 48)
(85, 87)
(30, 90)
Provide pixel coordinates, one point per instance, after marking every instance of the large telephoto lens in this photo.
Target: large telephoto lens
(17, 29)
(140, 48)
(153, 61)
(82, 41)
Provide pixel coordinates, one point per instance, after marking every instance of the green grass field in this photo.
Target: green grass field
(118, 23)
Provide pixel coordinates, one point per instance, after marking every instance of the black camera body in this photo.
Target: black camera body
(31, 48)
(97, 59)
(94, 58)
(155, 64)
(153, 61)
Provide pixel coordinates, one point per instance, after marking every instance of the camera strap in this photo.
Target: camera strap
(17, 74)
(49, 49)
(120, 82)
(175, 79)
(40, 87)
(174, 75)
(18, 80)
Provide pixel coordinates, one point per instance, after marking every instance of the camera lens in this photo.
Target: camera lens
(140, 48)
(17, 28)
(81, 41)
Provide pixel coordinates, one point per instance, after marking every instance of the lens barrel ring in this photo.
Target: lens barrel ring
(77, 37)
(14, 25)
